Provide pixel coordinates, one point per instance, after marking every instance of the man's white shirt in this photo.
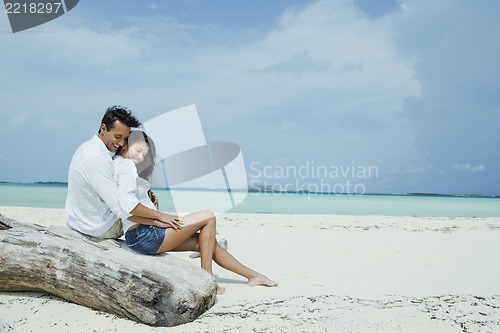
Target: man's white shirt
(92, 203)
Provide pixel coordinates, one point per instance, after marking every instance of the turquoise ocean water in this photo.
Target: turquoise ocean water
(53, 196)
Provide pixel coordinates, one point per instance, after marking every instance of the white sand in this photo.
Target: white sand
(336, 274)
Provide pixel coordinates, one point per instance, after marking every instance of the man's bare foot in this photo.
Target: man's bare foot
(220, 290)
(261, 280)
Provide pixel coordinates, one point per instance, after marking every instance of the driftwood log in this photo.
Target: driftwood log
(103, 275)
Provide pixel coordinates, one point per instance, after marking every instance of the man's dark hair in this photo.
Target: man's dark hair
(120, 113)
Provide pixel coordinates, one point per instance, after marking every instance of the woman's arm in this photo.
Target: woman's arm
(126, 174)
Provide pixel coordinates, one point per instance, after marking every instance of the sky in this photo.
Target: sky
(387, 96)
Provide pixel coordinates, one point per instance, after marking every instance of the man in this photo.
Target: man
(92, 203)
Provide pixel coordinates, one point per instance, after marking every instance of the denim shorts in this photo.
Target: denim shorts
(145, 239)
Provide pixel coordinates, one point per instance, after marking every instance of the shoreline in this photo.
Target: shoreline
(269, 190)
(285, 204)
(337, 273)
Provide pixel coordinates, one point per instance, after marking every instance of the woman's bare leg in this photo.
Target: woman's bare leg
(227, 261)
(187, 239)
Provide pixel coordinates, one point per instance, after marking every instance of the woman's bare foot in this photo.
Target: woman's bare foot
(261, 280)
(220, 290)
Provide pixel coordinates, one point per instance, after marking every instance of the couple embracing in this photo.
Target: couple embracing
(109, 196)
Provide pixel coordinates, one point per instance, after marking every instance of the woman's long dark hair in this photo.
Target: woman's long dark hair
(146, 167)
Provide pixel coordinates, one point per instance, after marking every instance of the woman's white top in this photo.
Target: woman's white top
(132, 189)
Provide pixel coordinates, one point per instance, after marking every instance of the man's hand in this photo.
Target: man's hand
(171, 221)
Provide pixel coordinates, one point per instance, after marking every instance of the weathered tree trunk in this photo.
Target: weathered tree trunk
(155, 290)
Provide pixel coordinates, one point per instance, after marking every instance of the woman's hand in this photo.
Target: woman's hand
(170, 221)
(153, 198)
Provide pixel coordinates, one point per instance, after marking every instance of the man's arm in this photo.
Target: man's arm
(146, 221)
(99, 173)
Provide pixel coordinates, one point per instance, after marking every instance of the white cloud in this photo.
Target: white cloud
(321, 65)
(153, 6)
(469, 167)
(287, 125)
(327, 57)
(20, 119)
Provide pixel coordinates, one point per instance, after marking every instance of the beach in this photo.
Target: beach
(336, 273)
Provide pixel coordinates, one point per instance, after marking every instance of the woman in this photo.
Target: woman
(194, 232)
